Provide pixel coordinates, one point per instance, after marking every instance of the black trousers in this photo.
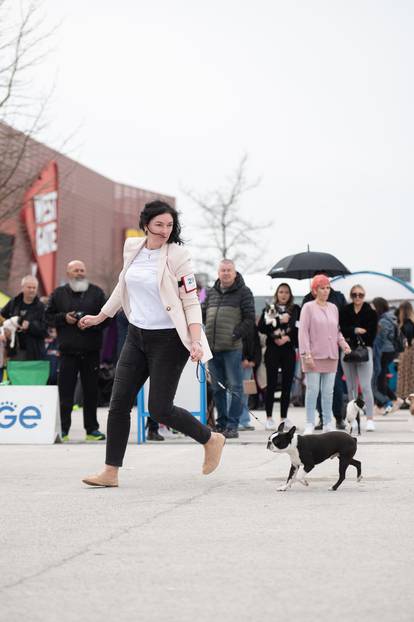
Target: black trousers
(284, 358)
(382, 382)
(161, 356)
(87, 365)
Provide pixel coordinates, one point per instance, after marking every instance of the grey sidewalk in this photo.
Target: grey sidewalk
(171, 544)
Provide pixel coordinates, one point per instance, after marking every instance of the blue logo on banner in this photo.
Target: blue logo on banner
(28, 417)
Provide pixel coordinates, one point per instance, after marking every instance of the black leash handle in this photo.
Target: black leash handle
(222, 386)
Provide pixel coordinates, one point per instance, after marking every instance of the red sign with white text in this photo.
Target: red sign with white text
(40, 205)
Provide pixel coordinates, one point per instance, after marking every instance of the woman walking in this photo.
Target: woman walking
(319, 337)
(279, 324)
(384, 354)
(358, 322)
(405, 385)
(157, 291)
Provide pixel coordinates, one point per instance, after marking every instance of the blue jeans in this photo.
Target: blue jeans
(245, 417)
(325, 382)
(226, 368)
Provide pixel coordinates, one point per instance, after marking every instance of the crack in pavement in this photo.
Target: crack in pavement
(118, 534)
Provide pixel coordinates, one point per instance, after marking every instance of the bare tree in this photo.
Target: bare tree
(227, 234)
(23, 45)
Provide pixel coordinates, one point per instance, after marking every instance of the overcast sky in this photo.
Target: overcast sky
(319, 93)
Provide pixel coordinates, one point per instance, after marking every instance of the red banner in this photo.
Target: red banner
(40, 211)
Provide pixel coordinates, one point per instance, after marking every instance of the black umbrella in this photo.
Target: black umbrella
(306, 265)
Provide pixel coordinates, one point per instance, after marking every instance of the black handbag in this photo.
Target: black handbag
(359, 354)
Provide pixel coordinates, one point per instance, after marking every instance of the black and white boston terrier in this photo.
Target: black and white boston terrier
(355, 409)
(313, 449)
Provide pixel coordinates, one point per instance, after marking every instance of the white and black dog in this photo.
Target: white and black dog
(355, 409)
(11, 325)
(312, 449)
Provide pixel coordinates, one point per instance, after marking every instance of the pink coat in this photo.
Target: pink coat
(184, 308)
(319, 331)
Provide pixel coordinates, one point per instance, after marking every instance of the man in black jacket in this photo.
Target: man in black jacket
(229, 315)
(30, 341)
(79, 349)
(337, 298)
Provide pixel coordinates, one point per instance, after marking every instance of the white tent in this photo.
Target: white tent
(375, 284)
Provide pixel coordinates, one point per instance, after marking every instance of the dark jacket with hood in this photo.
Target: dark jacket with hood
(73, 340)
(228, 314)
(31, 340)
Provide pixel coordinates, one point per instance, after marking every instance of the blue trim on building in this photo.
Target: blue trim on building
(388, 276)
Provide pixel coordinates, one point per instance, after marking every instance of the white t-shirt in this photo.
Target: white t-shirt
(147, 310)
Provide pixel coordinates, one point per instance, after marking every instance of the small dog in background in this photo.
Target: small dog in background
(354, 411)
(9, 329)
(273, 315)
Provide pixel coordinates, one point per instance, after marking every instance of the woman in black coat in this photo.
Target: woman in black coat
(279, 322)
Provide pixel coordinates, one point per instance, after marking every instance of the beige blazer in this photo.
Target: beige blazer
(184, 308)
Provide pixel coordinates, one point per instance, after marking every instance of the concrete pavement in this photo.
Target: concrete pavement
(171, 544)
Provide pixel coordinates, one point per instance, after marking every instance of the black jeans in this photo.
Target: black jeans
(284, 358)
(161, 356)
(87, 364)
(382, 382)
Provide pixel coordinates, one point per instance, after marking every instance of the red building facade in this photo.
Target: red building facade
(67, 212)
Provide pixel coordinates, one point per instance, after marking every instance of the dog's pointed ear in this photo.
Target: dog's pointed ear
(292, 430)
(281, 427)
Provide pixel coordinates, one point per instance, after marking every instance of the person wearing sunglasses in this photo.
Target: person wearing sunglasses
(358, 323)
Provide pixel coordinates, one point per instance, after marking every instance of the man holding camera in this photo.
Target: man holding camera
(29, 323)
(79, 349)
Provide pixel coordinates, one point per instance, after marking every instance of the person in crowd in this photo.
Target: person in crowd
(405, 383)
(279, 323)
(229, 315)
(384, 354)
(157, 291)
(52, 354)
(337, 298)
(358, 323)
(319, 338)
(79, 350)
(251, 358)
(32, 327)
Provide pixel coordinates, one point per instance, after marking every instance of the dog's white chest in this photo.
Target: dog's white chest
(294, 452)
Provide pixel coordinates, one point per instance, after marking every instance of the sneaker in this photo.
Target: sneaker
(153, 435)
(309, 428)
(270, 424)
(246, 428)
(319, 426)
(370, 425)
(96, 435)
(231, 433)
(329, 427)
(65, 438)
(396, 405)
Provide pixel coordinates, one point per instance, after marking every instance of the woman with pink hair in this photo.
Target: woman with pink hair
(319, 337)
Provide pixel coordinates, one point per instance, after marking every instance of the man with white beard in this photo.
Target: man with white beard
(79, 349)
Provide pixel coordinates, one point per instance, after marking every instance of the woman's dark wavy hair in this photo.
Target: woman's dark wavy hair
(156, 208)
(290, 302)
(380, 305)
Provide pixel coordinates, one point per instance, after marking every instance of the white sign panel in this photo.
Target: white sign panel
(29, 414)
(188, 390)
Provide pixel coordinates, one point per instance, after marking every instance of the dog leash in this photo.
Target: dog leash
(222, 386)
